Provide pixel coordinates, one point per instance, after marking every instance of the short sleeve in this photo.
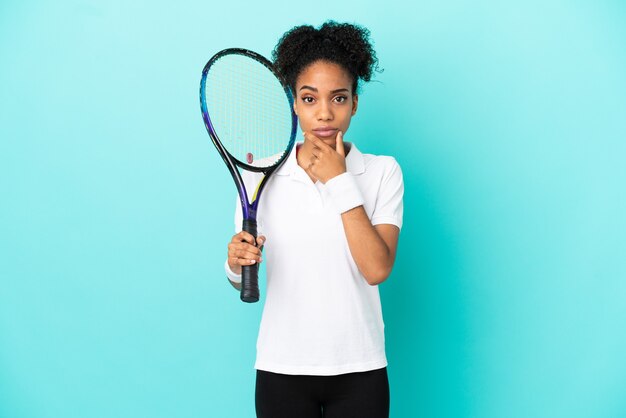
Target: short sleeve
(389, 206)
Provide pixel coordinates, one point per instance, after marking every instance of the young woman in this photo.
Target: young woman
(332, 216)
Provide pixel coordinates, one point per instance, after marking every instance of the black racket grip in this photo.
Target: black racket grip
(250, 274)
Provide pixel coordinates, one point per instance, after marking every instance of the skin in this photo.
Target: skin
(325, 105)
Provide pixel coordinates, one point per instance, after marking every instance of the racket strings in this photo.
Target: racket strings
(249, 110)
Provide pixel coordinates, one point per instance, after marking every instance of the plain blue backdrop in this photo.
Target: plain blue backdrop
(508, 119)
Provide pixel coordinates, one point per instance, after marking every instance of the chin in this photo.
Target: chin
(330, 141)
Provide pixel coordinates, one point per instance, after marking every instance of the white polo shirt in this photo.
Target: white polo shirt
(321, 317)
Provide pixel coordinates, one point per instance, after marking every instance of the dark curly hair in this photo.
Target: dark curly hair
(345, 44)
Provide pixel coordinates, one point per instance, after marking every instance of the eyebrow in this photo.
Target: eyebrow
(315, 90)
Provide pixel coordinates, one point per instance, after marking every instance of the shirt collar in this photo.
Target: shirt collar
(355, 163)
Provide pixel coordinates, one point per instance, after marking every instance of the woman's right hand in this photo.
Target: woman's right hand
(243, 252)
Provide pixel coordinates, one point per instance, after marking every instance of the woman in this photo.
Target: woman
(332, 217)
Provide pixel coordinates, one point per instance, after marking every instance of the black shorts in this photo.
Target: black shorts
(362, 395)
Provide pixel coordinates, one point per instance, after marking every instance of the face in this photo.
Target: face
(324, 101)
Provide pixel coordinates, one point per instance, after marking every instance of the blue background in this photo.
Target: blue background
(508, 119)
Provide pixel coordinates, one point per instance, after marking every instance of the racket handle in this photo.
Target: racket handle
(250, 274)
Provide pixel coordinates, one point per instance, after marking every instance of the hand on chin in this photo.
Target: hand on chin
(323, 160)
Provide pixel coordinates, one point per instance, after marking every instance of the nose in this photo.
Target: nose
(324, 112)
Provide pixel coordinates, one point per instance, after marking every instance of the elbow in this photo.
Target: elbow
(376, 277)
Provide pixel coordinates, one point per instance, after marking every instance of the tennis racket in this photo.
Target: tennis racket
(248, 112)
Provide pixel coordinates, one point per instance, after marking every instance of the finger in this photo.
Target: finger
(309, 171)
(308, 138)
(315, 141)
(243, 248)
(260, 242)
(245, 255)
(240, 261)
(339, 147)
(244, 236)
(252, 249)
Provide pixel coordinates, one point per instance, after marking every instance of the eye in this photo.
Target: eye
(341, 99)
(307, 99)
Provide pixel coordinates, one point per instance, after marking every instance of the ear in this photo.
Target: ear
(295, 107)
(355, 103)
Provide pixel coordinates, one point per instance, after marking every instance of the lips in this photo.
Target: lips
(325, 132)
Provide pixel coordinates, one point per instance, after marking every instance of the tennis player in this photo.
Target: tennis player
(332, 216)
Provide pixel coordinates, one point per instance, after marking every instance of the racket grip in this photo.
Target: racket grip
(250, 274)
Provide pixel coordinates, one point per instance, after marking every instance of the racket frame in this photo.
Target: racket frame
(249, 209)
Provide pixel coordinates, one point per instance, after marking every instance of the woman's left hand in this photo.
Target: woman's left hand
(326, 162)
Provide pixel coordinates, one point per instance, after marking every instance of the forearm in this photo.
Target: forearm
(372, 255)
(236, 285)
(233, 274)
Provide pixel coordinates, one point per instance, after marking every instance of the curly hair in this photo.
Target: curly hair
(345, 44)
